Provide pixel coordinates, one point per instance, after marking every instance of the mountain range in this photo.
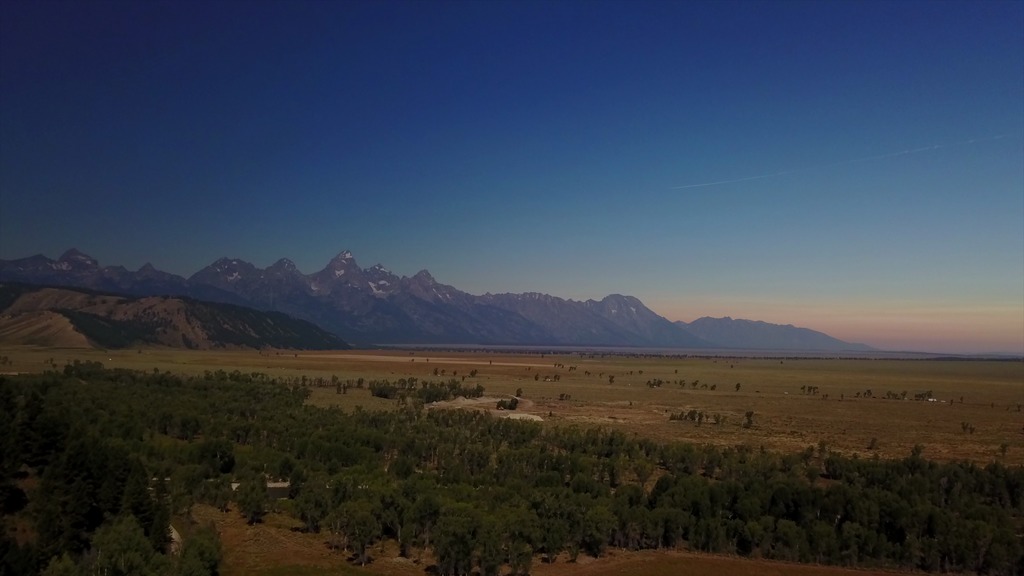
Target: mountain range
(375, 306)
(81, 318)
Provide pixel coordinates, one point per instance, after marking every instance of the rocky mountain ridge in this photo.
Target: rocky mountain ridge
(376, 306)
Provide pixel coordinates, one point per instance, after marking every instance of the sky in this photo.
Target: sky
(851, 167)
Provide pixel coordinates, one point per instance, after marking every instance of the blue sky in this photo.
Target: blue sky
(876, 150)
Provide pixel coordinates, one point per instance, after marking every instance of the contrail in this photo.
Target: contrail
(841, 163)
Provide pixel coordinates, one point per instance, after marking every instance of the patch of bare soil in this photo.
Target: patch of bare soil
(522, 411)
(273, 543)
(673, 562)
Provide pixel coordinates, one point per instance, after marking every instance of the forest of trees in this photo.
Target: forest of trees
(99, 460)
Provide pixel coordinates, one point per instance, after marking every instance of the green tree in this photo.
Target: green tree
(554, 538)
(61, 565)
(520, 527)
(643, 470)
(313, 503)
(455, 539)
(158, 530)
(424, 515)
(394, 511)
(75, 494)
(136, 500)
(122, 549)
(599, 523)
(201, 553)
(185, 485)
(251, 497)
(520, 558)
(217, 492)
(216, 455)
(489, 543)
(361, 527)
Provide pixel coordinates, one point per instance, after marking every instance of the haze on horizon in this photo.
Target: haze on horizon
(855, 168)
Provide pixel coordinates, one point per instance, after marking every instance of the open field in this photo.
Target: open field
(986, 396)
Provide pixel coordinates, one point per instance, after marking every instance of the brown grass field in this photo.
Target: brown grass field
(785, 419)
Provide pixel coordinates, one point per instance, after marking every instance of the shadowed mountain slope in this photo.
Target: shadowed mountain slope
(70, 317)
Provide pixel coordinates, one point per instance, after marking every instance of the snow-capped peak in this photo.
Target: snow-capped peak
(342, 260)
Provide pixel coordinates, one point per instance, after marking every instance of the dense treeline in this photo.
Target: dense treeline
(231, 325)
(426, 391)
(115, 333)
(96, 507)
(480, 493)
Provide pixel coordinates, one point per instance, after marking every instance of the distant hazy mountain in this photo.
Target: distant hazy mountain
(613, 321)
(374, 305)
(72, 317)
(751, 334)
